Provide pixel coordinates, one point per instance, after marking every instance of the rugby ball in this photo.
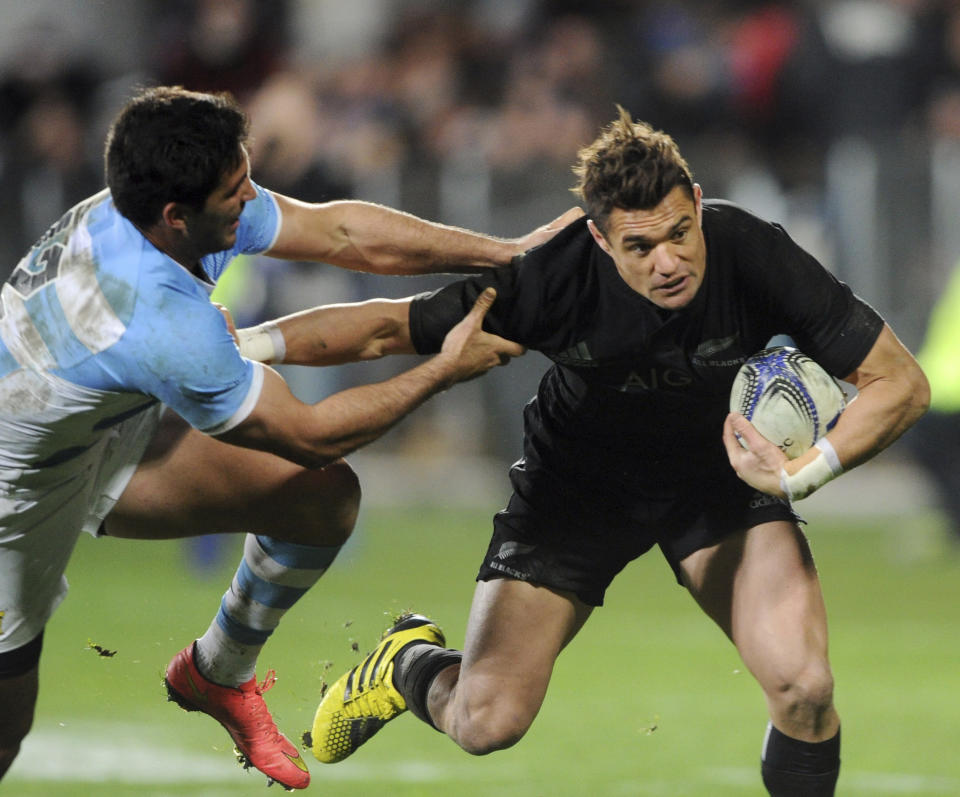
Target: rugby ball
(788, 398)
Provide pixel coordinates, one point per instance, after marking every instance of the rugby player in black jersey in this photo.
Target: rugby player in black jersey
(647, 307)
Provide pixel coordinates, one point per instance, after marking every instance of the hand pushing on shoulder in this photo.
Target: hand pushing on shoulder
(471, 351)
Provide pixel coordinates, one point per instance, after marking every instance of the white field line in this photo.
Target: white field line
(127, 753)
(85, 752)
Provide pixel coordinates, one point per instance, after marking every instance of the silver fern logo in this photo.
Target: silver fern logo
(509, 549)
(714, 346)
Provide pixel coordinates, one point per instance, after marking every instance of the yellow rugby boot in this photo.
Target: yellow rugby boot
(365, 699)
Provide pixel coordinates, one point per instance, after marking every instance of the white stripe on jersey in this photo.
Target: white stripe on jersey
(252, 397)
(20, 335)
(86, 309)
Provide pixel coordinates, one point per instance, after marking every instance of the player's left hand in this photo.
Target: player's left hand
(547, 231)
(474, 351)
(755, 459)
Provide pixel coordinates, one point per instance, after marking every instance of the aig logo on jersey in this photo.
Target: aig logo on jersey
(655, 378)
(714, 353)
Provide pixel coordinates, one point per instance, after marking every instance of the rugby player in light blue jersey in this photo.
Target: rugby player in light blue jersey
(128, 409)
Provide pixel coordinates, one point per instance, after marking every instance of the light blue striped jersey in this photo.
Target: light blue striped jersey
(97, 324)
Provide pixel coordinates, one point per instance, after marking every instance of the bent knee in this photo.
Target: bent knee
(489, 729)
(486, 740)
(806, 695)
(329, 503)
(342, 486)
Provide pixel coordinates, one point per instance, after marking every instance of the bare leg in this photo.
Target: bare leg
(515, 632)
(761, 587)
(295, 518)
(18, 696)
(189, 484)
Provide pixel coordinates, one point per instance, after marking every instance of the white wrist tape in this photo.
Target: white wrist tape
(814, 474)
(263, 343)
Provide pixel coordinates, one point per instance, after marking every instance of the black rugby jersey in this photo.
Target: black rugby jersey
(636, 398)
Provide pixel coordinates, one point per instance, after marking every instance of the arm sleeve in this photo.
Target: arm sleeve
(822, 314)
(433, 315)
(179, 350)
(540, 296)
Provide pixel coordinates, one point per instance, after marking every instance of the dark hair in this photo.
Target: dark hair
(629, 166)
(168, 144)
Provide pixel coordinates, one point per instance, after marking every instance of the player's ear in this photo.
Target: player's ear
(174, 216)
(698, 202)
(598, 237)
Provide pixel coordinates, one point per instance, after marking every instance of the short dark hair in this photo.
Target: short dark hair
(168, 144)
(629, 166)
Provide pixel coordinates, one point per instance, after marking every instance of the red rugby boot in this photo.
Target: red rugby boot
(243, 712)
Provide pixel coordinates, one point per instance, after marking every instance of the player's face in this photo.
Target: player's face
(660, 252)
(215, 228)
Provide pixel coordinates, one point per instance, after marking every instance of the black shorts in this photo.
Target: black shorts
(580, 546)
(21, 660)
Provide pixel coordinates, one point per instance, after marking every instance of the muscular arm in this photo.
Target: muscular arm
(342, 333)
(366, 237)
(892, 395)
(315, 435)
(318, 434)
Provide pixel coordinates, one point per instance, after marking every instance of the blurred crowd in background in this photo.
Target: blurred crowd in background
(838, 118)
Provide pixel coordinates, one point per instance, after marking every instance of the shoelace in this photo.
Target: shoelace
(258, 709)
(267, 683)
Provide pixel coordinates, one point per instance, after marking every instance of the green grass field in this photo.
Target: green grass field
(649, 700)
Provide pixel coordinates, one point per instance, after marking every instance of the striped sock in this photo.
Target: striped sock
(271, 578)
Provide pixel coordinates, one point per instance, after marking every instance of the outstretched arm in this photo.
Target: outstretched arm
(893, 393)
(367, 237)
(315, 435)
(331, 334)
